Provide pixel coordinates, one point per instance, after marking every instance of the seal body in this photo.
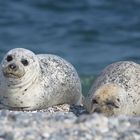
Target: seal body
(30, 82)
(116, 91)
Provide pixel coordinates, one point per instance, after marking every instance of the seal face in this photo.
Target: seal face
(17, 64)
(116, 91)
(30, 82)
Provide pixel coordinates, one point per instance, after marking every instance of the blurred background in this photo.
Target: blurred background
(88, 33)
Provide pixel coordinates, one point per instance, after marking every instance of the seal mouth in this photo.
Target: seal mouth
(12, 75)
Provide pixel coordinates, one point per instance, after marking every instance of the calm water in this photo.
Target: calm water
(89, 33)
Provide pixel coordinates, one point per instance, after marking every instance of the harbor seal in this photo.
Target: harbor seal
(32, 82)
(116, 91)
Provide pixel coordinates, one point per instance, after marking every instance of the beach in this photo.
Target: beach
(65, 125)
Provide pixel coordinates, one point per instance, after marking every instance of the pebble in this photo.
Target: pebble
(66, 124)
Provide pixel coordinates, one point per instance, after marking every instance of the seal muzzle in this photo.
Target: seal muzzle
(13, 70)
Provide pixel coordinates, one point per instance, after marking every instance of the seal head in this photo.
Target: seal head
(19, 64)
(108, 100)
(19, 70)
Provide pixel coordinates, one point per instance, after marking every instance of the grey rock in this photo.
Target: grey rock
(66, 125)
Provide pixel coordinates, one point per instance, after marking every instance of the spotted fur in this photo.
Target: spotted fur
(41, 81)
(118, 83)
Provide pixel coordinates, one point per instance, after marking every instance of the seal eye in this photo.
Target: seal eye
(94, 101)
(111, 104)
(9, 58)
(24, 62)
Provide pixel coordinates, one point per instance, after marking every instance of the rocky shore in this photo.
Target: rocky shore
(66, 123)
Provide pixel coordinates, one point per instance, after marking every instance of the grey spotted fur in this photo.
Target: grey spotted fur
(126, 76)
(48, 80)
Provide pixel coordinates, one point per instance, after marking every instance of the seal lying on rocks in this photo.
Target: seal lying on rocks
(32, 82)
(116, 91)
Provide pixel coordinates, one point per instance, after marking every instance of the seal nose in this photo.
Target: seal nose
(13, 66)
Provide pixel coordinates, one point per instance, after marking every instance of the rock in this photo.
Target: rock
(66, 125)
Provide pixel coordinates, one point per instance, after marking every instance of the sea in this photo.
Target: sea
(90, 34)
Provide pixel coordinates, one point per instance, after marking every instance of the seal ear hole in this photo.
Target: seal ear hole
(24, 62)
(9, 58)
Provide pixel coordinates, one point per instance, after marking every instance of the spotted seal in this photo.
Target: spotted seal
(30, 82)
(116, 91)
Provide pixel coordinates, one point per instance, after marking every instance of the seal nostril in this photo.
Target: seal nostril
(12, 66)
(97, 110)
